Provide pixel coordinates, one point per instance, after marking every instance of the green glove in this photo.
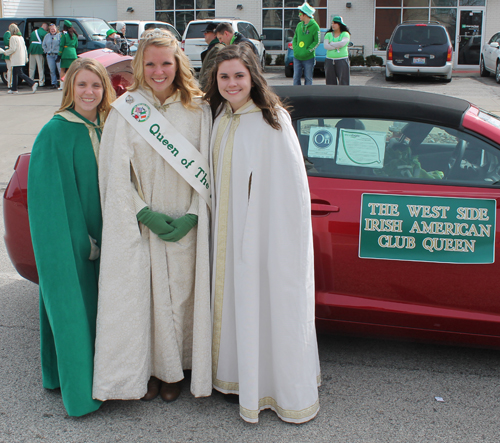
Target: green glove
(157, 222)
(181, 227)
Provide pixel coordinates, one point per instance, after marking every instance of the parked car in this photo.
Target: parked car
(490, 58)
(193, 41)
(405, 191)
(91, 34)
(135, 28)
(320, 55)
(419, 49)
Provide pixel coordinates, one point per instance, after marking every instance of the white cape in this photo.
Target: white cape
(264, 337)
(154, 296)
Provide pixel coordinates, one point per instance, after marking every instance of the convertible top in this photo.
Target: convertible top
(372, 102)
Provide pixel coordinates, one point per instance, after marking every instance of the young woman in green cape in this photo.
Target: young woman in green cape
(66, 223)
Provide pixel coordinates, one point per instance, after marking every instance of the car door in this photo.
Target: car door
(404, 222)
(490, 53)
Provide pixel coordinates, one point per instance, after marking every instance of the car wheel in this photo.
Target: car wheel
(289, 71)
(497, 72)
(482, 70)
(388, 77)
(4, 78)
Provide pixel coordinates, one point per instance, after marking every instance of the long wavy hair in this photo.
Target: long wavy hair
(70, 30)
(260, 92)
(13, 29)
(184, 80)
(108, 95)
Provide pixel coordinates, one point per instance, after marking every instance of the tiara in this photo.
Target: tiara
(157, 33)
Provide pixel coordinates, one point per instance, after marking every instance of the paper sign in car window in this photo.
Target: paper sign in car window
(322, 142)
(361, 148)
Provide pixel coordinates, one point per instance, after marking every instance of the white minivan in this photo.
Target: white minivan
(193, 41)
(135, 28)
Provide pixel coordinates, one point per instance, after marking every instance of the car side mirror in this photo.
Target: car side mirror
(495, 44)
(263, 37)
(81, 38)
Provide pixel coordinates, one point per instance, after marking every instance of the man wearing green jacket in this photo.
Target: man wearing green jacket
(35, 52)
(305, 42)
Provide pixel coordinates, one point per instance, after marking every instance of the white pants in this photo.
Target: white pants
(36, 60)
(9, 73)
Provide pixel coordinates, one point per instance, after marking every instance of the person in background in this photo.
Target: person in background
(18, 59)
(51, 48)
(305, 41)
(35, 51)
(153, 320)
(67, 48)
(337, 68)
(65, 221)
(208, 55)
(111, 41)
(121, 29)
(264, 339)
(6, 38)
(226, 35)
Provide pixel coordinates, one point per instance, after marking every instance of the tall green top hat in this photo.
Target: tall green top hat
(338, 19)
(307, 9)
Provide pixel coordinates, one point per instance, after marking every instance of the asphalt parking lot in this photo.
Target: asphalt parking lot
(372, 390)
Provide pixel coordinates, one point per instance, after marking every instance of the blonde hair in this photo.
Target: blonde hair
(184, 80)
(108, 95)
(13, 29)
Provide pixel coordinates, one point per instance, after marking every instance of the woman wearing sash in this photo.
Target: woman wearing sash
(264, 338)
(154, 294)
(65, 221)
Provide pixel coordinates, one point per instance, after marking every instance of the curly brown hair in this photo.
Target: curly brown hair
(260, 92)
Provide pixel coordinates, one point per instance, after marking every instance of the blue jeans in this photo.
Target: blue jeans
(54, 68)
(303, 66)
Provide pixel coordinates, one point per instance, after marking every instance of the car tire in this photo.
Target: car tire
(388, 77)
(482, 69)
(288, 71)
(497, 72)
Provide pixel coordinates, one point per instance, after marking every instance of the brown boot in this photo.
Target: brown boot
(170, 391)
(153, 389)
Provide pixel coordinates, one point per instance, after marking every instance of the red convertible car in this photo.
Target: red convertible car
(404, 190)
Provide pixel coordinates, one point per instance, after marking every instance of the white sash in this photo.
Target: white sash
(39, 42)
(162, 136)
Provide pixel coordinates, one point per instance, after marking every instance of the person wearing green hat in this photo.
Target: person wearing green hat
(305, 42)
(337, 67)
(35, 51)
(67, 48)
(111, 41)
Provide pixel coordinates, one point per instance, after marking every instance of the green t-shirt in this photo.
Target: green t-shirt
(342, 52)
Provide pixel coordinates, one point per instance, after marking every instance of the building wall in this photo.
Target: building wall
(143, 9)
(492, 19)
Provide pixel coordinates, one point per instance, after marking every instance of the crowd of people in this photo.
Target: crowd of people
(181, 247)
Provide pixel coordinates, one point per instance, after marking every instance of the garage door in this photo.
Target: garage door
(105, 9)
(22, 8)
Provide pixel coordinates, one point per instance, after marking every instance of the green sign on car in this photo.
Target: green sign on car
(429, 229)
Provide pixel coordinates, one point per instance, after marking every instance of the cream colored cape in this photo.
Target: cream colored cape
(264, 338)
(154, 296)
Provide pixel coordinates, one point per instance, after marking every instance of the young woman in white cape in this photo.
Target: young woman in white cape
(153, 320)
(264, 339)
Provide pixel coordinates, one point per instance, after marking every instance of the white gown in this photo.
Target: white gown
(154, 296)
(264, 337)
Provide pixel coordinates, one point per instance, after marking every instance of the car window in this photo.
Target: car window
(77, 27)
(195, 30)
(96, 28)
(420, 35)
(252, 32)
(391, 150)
(132, 30)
